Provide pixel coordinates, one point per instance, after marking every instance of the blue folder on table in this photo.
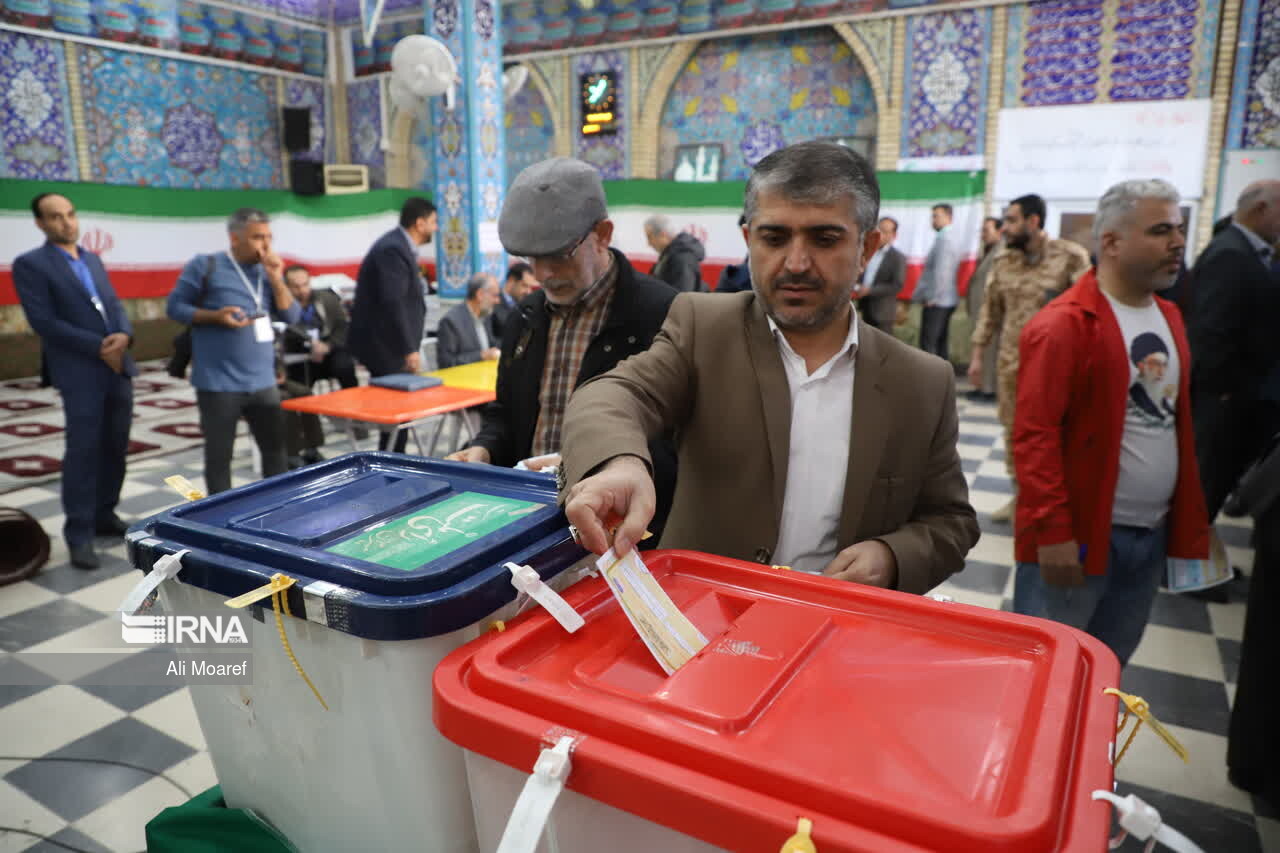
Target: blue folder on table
(406, 381)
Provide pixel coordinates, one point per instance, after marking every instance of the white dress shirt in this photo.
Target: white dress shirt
(821, 418)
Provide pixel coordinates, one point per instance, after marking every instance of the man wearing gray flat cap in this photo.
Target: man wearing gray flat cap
(593, 311)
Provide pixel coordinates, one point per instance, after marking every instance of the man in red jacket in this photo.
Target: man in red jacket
(1102, 438)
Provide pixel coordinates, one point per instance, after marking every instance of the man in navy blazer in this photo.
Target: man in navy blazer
(390, 310)
(86, 335)
(1235, 350)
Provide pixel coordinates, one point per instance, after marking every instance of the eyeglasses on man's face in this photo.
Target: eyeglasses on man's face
(567, 255)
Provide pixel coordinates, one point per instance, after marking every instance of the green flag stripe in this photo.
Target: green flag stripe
(895, 187)
(200, 204)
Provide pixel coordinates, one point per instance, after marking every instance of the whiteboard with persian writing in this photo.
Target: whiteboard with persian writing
(1077, 152)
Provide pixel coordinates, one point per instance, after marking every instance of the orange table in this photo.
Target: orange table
(386, 407)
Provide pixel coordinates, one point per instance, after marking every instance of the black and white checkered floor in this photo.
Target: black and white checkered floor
(1185, 668)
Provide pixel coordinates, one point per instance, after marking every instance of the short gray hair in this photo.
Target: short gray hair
(820, 173)
(245, 216)
(1118, 203)
(477, 283)
(657, 224)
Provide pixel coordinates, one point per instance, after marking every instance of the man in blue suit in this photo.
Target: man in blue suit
(86, 335)
(390, 310)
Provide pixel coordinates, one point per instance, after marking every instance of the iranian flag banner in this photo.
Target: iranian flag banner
(146, 235)
(710, 212)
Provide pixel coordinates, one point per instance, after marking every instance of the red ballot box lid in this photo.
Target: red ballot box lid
(892, 721)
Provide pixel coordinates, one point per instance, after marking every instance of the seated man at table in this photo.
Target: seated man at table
(465, 333)
(320, 333)
(593, 311)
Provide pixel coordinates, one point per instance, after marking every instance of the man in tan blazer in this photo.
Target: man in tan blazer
(806, 437)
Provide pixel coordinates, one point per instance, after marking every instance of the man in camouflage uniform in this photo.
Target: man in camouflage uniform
(1025, 275)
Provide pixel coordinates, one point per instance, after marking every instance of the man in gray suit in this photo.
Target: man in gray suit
(882, 280)
(937, 287)
(464, 334)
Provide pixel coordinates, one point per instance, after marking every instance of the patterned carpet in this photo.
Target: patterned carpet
(31, 425)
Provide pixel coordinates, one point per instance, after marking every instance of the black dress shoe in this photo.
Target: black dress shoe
(84, 557)
(113, 526)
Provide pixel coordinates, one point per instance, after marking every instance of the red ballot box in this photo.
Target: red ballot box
(892, 722)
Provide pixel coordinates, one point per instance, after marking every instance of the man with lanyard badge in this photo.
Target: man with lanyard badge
(85, 336)
(229, 299)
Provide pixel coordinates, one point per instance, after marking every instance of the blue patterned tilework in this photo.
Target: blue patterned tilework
(1061, 52)
(1260, 100)
(364, 120)
(452, 161)
(1015, 37)
(171, 123)
(946, 84)
(530, 135)
(1155, 48)
(754, 94)
(485, 98)
(35, 127)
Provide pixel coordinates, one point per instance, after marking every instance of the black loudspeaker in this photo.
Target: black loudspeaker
(306, 177)
(297, 129)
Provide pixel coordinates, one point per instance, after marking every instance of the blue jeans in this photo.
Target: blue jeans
(1113, 607)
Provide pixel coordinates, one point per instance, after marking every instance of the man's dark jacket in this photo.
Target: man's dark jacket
(680, 264)
(1234, 341)
(390, 308)
(636, 313)
(333, 323)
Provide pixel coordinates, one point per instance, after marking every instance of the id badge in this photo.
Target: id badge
(262, 331)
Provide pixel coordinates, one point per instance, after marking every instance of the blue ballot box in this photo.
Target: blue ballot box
(353, 578)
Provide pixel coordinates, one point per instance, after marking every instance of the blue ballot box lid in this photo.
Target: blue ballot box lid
(383, 545)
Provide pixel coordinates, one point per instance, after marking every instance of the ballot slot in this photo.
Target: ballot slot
(340, 510)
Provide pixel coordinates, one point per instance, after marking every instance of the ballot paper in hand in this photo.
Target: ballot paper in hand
(670, 636)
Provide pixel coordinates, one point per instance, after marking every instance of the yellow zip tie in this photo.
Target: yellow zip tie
(498, 625)
(280, 599)
(1141, 711)
(183, 486)
(277, 582)
(276, 590)
(800, 842)
(783, 568)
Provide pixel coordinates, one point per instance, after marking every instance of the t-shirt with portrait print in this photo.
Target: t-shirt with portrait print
(1149, 447)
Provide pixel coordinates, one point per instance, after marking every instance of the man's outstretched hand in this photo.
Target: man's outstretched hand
(622, 489)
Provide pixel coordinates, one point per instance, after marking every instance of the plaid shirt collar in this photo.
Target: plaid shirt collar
(572, 329)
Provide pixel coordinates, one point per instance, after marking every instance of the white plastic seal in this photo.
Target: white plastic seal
(164, 568)
(526, 580)
(1143, 822)
(533, 807)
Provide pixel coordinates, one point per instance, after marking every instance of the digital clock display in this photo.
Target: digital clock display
(598, 94)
